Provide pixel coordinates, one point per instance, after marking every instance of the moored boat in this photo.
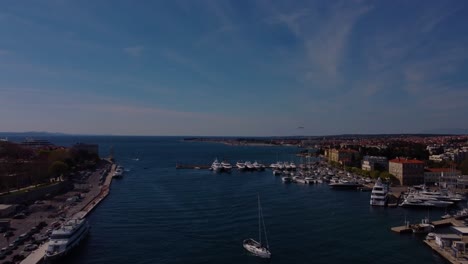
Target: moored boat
(216, 166)
(226, 166)
(379, 194)
(423, 227)
(66, 238)
(257, 248)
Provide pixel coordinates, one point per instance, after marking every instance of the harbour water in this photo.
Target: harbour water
(157, 214)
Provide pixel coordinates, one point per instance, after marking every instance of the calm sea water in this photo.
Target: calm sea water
(157, 214)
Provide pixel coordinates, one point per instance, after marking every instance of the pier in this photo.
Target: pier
(439, 223)
(191, 166)
(446, 252)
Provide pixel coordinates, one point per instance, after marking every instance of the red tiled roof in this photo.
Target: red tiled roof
(348, 150)
(407, 161)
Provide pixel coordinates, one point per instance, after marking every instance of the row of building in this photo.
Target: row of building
(407, 171)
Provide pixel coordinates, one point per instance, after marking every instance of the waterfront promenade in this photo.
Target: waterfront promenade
(95, 196)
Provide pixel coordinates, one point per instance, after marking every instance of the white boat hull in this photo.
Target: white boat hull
(53, 256)
(375, 202)
(256, 248)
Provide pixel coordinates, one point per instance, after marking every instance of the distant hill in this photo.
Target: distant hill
(31, 134)
(449, 131)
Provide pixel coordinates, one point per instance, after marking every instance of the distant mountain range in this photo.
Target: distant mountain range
(31, 134)
(431, 132)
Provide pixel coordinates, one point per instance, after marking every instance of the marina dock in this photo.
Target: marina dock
(191, 166)
(402, 229)
(439, 223)
(447, 253)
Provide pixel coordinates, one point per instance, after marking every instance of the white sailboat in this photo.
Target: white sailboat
(257, 247)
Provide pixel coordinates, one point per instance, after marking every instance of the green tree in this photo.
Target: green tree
(388, 176)
(58, 168)
(375, 174)
(464, 167)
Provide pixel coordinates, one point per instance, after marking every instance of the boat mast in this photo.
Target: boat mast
(259, 219)
(264, 230)
(260, 214)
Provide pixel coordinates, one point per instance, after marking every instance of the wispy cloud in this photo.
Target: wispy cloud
(134, 51)
(192, 65)
(291, 20)
(324, 38)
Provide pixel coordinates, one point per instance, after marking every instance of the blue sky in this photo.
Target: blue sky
(246, 68)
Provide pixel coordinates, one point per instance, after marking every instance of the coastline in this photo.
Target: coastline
(37, 256)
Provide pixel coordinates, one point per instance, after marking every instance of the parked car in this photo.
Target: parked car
(25, 253)
(33, 230)
(8, 234)
(56, 225)
(41, 238)
(13, 245)
(49, 231)
(24, 236)
(19, 216)
(30, 247)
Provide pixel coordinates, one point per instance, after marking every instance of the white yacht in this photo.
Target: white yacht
(280, 165)
(443, 195)
(432, 200)
(258, 166)
(287, 178)
(412, 202)
(66, 238)
(249, 165)
(292, 166)
(277, 172)
(240, 165)
(216, 166)
(226, 166)
(379, 194)
(118, 173)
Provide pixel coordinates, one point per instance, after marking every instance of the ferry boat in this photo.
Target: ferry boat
(379, 194)
(66, 238)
